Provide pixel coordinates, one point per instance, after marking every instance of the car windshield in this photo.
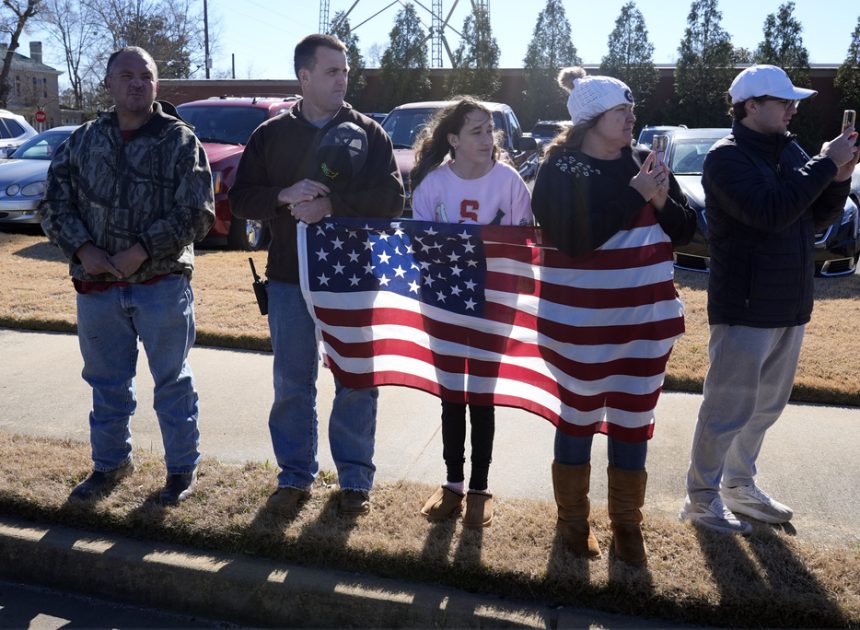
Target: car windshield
(404, 125)
(41, 147)
(687, 155)
(225, 124)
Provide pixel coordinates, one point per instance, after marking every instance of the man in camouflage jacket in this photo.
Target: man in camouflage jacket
(127, 196)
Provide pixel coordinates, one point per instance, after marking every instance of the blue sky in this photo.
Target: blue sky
(262, 33)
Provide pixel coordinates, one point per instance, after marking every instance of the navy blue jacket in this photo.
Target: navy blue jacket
(764, 200)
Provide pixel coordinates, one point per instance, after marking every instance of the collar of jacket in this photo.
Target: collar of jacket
(152, 127)
(297, 113)
(770, 145)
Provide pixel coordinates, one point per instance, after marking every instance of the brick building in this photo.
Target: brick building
(34, 85)
(511, 92)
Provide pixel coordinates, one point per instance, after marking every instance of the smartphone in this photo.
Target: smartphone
(849, 119)
(658, 145)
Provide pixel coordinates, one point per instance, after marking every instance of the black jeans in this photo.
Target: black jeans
(483, 420)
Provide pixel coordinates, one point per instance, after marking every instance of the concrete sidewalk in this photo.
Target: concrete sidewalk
(809, 458)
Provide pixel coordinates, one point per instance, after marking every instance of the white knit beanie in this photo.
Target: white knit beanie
(593, 95)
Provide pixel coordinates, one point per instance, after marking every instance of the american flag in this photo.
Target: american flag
(494, 315)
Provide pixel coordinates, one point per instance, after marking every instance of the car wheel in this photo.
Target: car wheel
(247, 235)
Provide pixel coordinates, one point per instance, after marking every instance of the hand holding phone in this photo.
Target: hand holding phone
(659, 144)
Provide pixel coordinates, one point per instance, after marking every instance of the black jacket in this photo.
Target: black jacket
(287, 148)
(580, 201)
(764, 200)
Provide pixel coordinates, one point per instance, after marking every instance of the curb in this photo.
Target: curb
(258, 591)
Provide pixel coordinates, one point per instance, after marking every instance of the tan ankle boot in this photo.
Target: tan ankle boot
(626, 498)
(570, 484)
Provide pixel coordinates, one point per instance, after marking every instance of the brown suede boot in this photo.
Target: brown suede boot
(570, 484)
(626, 498)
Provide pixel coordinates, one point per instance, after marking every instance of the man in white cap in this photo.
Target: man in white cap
(764, 200)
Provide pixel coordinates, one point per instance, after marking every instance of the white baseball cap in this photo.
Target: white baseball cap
(765, 80)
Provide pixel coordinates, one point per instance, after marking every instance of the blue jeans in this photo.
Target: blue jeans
(293, 419)
(575, 450)
(109, 325)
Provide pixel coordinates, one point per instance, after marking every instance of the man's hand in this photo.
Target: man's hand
(842, 151)
(96, 261)
(312, 211)
(304, 190)
(129, 260)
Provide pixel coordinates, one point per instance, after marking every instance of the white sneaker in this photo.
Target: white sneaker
(715, 516)
(755, 502)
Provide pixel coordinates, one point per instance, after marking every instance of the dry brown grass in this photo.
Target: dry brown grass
(37, 294)
(768, 579)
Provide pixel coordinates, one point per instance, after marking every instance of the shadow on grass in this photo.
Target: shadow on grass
(758, 582)
(41, 251)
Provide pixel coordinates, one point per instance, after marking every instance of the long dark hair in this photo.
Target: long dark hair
(432, 145)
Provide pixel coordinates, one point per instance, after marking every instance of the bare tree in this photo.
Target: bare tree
(168, 29)
(13, 18)
(73, 25)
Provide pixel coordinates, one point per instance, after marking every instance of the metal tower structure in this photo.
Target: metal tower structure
(439, 23)
(324, 16)
(436, 34)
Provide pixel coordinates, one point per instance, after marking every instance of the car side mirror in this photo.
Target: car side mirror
(526, 143)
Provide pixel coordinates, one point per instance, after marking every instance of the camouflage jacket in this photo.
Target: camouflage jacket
(154, 189)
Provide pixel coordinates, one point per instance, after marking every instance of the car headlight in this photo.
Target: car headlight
(13, 190)
(36, 189)
(217, 181)
(849, 211)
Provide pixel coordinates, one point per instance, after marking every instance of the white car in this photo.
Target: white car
(14, 131)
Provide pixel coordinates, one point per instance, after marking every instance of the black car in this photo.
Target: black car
(837, 246)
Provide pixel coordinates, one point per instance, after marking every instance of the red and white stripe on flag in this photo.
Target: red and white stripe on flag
(494, 315)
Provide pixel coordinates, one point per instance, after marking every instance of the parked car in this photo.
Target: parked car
(837, 246)
(22, 177)
(404, 123)
(376, 116)
(14, 131)
(224, 125)
(545, 131)
(647, 133)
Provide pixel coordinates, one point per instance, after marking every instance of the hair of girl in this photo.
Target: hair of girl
(432, 146)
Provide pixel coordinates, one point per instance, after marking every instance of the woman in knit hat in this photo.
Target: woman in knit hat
(593, 192)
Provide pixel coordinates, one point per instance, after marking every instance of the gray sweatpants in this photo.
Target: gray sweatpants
(747, 386)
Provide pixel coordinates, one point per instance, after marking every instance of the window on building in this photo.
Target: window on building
(45, 88)
(17, 85)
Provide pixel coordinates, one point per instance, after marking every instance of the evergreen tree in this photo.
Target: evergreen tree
(476, 60)
(783, 46)
(404, 70)
(848, 74)
(341, 29)
(705, 68)
(550, 49)
(631, 59)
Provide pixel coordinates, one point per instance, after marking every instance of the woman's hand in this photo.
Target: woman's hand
(652, 181)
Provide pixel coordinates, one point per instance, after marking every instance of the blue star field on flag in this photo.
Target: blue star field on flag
(441, 265)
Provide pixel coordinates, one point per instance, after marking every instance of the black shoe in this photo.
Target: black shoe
(353, 502)
(100, 483)
(178, 487)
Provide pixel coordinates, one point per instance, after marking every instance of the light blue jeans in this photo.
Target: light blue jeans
(293, 419)
(109, 325)
(575, 450)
